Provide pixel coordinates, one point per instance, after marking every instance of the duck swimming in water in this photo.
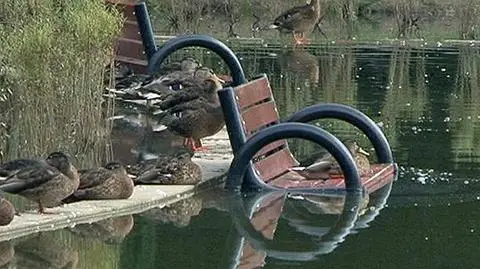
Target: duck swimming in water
(46, 183)
(298, 20)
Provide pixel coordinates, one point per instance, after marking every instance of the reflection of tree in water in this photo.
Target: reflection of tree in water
(406, 96)
(110, 231)
(179, 213)
(464, 109)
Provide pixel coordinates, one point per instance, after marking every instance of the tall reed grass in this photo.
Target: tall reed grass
(53, 59)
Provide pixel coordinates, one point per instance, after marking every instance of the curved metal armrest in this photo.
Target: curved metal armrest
(350, 115)
(204, 41)
(292, 130)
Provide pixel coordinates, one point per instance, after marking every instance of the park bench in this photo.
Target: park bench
(262, 158)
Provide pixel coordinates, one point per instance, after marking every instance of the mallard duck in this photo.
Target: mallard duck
(7, 211)
(194, 113)
(323, 167)
(298, 20)
(109, 182)
(47, 183)
(177, 169)
(13, 166)
(110, 231)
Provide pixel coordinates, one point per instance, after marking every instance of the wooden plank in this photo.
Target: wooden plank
(128, 48)
(275, 164)
(130, 60)
(270, 147)
(253, 92)
(259, 116)
(131, 31)
(381, 175)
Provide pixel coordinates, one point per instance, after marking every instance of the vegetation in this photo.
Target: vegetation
(53, 60)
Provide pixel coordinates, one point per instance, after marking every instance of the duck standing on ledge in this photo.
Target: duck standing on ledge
(109, 182)
(45, 183)
(298, 20)
(194, 112)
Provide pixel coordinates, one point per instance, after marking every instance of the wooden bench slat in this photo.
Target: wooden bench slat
(253, 92)
(130, 60)
(275, 164)
(131, 31)
(126, 48)
(260, 115)
(270, 147)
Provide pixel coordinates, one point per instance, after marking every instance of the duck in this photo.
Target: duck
(298, 20)
(326, 165)
(175, 169)
(7, 211)
(194, 112)
(103, 183)
(13, 166)
(46, 183)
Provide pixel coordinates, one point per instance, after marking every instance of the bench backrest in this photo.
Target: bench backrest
(129, 47)
(258, 111)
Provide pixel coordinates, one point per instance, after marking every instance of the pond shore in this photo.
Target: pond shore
(214, 165)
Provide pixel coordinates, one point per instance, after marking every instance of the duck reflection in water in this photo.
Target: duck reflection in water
(179, 213)
(7, 253)
(44, 250)
(300, 62)
(110, 231)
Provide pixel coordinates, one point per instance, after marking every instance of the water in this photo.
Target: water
(426, 100)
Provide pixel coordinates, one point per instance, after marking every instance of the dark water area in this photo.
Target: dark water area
(427, 102)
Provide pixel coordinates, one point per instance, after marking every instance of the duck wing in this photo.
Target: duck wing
(94, 177)
(29, 177)
(13, 166)
(178, 98)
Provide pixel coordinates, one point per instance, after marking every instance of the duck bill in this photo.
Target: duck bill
(218, 79)
(362, 151)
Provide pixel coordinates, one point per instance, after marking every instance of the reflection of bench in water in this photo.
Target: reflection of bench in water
(254, 240)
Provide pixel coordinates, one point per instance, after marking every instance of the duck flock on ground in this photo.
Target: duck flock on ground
(182, 98)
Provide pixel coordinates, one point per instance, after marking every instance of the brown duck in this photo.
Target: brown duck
(7, 211)
(175, 169)
(46, 183)
(298, 20)
(323, 167)
(194, 112)
(103, 183)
